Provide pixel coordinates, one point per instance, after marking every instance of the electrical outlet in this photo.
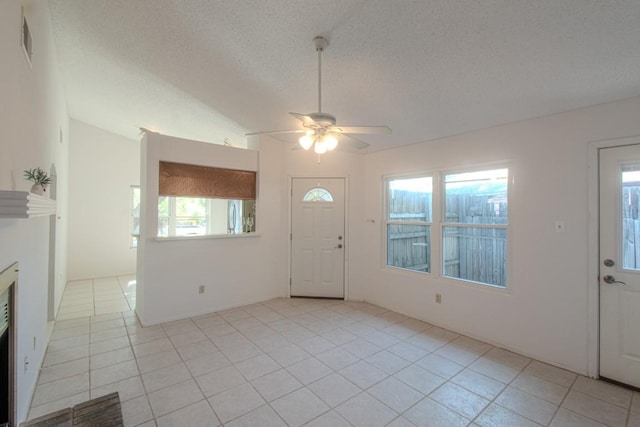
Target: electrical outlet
(201, 289)
(438, 299)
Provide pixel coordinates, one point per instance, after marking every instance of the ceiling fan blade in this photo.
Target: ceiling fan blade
(273, 132)
(304, 118)
(365, 130)
(349, 142)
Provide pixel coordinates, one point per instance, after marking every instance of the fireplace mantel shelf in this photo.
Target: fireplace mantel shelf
(22, 204)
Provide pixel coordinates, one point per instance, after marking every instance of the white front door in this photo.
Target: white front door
(620, 264)
(317, 237)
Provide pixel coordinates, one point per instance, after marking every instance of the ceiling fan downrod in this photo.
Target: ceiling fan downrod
(321, 44)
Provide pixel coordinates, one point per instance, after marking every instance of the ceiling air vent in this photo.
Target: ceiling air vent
(27, 42)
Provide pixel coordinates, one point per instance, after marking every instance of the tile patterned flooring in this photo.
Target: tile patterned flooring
(294, 362)
(98, 296)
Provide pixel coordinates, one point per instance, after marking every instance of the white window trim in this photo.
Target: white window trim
(507, 227)
(327, 192)
(173, 218)
(132, 234)
(437, 207)
(387, 221)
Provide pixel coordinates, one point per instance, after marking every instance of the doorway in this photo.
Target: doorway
(53, 223)
(317, 237)
(619, 263)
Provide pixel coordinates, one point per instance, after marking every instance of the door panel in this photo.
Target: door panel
(307, 229)
(620, 264)
(630, 330)
(317, 237)
(328, 220)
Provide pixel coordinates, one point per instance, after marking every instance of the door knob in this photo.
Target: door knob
(610, 279)
(339, 246)
(609, 263)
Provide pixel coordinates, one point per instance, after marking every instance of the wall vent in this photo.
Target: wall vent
(27, 41)
(4, 312)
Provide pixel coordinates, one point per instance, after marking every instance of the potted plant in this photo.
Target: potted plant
(40, 180)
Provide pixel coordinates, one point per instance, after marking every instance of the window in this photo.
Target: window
(317, 195)
(473, 223)
(182, 216)
(200, 200)
(134, 223)
(409, 212)
(474, 229)
(631, 217)
(193, 216)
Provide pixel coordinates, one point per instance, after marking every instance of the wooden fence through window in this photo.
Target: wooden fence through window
(469, 253)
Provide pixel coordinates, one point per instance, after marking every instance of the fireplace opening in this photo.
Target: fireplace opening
(4, 373)
(8, 280)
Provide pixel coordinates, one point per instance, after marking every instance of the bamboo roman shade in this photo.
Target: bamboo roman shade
(182, 180)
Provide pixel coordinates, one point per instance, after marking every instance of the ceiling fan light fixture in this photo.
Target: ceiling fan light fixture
(320, 147)
(306, 141)
(331, 142)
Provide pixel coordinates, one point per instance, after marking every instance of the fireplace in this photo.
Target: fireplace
(8, 281)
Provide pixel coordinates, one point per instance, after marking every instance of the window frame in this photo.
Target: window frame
(444, 224)
(429, 225)
(133, 236)
(212, 215)
(315, 199)
(625, 167)
(173, 218)
(436, 261)
(211, 184)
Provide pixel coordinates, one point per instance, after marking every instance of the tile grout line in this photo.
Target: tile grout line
(146, 395)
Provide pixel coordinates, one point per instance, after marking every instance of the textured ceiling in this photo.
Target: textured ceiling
(214, 69)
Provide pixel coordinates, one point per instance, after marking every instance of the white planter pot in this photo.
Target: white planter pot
(38, 189)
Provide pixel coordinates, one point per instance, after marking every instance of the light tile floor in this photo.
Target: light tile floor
(306, 362)
(98, 296)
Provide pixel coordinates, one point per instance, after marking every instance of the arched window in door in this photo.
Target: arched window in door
(317, 194)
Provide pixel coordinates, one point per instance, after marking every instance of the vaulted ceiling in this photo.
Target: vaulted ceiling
(214, 69)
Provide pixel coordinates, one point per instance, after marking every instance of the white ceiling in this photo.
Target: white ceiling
(214, 69)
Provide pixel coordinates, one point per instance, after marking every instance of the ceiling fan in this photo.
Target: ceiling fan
(319, 128)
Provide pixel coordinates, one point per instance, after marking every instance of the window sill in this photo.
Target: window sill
(477, 285)
(210, 236)
(406, 271)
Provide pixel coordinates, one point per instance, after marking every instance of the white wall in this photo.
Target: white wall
(102, 168)
(336, 164)
(544, 313)
(32, 115)
(235, 270)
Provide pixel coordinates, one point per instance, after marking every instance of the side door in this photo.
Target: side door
(619, 191)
